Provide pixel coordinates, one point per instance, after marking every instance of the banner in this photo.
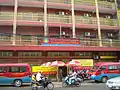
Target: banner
(85, 62)
(103, 57)
(59, 42)
(43, 69)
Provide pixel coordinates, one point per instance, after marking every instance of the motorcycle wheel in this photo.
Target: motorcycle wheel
(34, 88)
(64, 84)
(79, 84)
(50, 86)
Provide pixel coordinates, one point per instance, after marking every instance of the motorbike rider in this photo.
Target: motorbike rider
(72, 76)
(33, 77)
(39, 77)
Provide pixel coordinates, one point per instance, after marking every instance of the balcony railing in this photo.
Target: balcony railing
(85, 2)
(59, 18)
(60, 1)
(32, 0)
(110, 22)
(33, 41)
(6, 15)
(106, 4)
(85, 20)
(31, 16)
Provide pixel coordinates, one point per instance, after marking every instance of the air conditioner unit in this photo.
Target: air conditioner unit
(60, 13)
(110, 34)
(63, 33)
(87, 33)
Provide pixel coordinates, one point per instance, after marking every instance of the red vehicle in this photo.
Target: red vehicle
(16, 74)
(104, 71)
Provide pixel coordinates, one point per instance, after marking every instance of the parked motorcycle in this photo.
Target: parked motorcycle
(74, 82)
(83, 75)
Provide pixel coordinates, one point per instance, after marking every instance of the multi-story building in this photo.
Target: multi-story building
(91, 24)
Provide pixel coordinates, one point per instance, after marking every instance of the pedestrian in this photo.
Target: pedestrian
(60, 74)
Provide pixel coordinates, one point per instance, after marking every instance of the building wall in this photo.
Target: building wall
(6, 29)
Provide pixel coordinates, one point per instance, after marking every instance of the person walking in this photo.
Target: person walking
(60, 74)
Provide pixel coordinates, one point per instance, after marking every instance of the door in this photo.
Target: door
(3, 71)
(119, 69)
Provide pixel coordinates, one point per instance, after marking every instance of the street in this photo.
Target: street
(85, 86)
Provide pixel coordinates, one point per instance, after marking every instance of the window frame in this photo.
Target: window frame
(10, 67)
(114, 67)
(5, 69)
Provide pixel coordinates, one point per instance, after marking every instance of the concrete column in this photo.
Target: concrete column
(118, 16)
(45, 19)
(60, 30)
(73, 19)
(98, 23)
(14, 21)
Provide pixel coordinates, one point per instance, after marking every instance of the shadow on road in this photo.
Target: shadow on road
(92, 81)
(13, 86)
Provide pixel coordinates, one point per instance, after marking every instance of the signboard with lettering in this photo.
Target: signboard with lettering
(85, 62)
(59, 42)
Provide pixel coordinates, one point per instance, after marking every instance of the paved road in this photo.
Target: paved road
(92, 86)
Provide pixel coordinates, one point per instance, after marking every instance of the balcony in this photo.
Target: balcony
(60, 1)
(107, 7)
(85, 5)
(85, 22)
(7, 2)
(6, 18)
(109, 23)
(37, 19)
(85, 2)
(57, 20)
(91, 22)
(27, 19)
(31, 3)
(6, 15)
(105, 4)
(33, 41)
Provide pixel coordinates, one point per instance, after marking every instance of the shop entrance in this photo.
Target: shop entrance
(62, 72)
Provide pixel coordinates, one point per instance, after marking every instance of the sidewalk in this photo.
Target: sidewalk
(59, 84)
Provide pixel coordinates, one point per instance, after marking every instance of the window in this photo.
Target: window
(103, 67)
(2, 69)
(58, 53)
(83, 54)
(17, 69)
(6, 54)
(29, 53)
(107, 54)
(119, 67)
(112, 67)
